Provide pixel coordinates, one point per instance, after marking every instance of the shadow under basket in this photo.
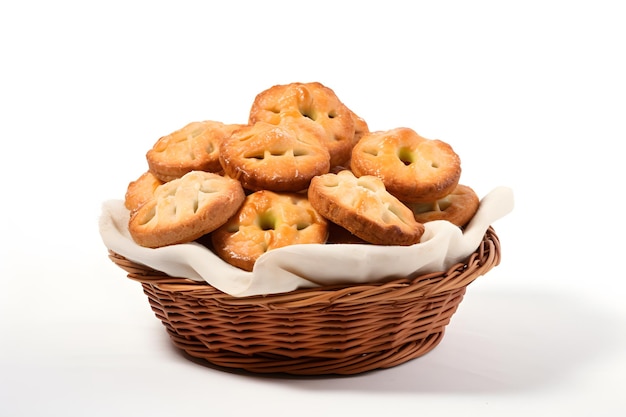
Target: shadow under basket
(340, 329)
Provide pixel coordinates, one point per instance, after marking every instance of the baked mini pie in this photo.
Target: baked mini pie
(458, 207)
(185, 209)
(195, 147)
(265, 221)
(413, 168)
(363, 206)
(311, 103)
(271, 157)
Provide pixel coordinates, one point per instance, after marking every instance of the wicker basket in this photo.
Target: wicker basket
(328, 330)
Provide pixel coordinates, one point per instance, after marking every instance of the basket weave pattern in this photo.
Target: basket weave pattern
(326, 330)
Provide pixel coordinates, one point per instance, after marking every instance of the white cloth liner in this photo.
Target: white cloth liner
(303, 266)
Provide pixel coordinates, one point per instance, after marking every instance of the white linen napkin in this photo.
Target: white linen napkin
(302, 266)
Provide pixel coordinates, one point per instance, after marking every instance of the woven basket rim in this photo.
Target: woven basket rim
(486, 256)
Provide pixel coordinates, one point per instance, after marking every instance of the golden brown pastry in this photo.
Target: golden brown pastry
(363, 207)
(186, 208)
(458, 207)
(195, 147)
(264, 156)
(413, 168)
(311, 103)
(360, 128)
(141, 190)
(266, 221)
(314, 172)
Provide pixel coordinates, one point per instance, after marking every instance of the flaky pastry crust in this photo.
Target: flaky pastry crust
(186, 208)
(267, 221)
(413, 168)
(195, 147)
(458, 207)
(364, 208)
(312, 103)
(264, 156)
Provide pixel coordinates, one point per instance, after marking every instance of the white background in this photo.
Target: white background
(531, 94)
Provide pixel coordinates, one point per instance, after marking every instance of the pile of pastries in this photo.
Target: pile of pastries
(304, 168)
